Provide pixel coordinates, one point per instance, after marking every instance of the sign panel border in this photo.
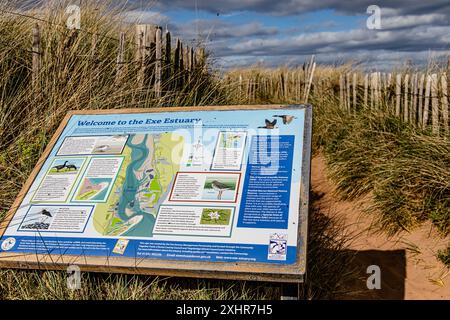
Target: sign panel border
(292, 273)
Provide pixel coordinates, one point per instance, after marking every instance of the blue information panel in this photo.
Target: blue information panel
(200, 186)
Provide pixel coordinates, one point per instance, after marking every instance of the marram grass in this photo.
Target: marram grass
(73, 77)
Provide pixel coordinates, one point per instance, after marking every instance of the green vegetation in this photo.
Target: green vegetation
(216, 216)
(444, 256)
(407, 171)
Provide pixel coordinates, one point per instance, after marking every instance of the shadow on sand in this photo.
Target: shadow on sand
(392, 271)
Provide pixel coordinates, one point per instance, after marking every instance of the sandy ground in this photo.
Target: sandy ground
(409, 268)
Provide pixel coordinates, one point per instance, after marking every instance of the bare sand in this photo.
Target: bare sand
(409, 268)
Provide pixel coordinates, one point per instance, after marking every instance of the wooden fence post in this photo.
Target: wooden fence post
(120, 58)
(348, 92)
(240, 85)
(444, 98)
(201, 59)
(191, 60)
(310, 82)
(354, 91)
(176, 57)
(176, 64)
(341, 91)
(366, 90)
(372, 90)
(168, 57)
(413, 115)
(420, 105)
(186, 74)
(427, 102)
(94, 46)
(140, 53)
(405, 103)
(378, 89)
(37, 56)
(186, 57)
(448, 66)
(398, 93)
(158, 62)
(93, 60)
(182, 63)
(434, 104)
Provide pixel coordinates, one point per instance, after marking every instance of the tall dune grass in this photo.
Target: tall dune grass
(368, 150)
(74, 77)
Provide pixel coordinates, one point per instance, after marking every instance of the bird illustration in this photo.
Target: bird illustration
(220, 188)
(45, 212)
(45, 216)
(269, 125)
(102, 148)
(286, 118)
(71, 166)
(60, 167)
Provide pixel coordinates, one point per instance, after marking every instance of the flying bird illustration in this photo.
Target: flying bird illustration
(286, 118)
(220, 188)
(45, 212)
(269, 125)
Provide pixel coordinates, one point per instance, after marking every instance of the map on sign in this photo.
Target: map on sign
(141, 186)
(205, 185)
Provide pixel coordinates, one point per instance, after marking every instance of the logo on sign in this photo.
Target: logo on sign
(277, 247)
(121, 246)
(8, 244)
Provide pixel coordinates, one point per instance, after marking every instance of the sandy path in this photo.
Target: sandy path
(409, 268)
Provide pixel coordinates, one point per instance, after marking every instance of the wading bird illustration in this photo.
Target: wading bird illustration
(45, 214)
(286, 118)
(220, 188)
(269, 125)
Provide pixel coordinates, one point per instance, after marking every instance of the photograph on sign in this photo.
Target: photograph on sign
(210, 186)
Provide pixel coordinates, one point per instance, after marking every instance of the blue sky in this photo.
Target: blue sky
(286, 32)
(245, 32)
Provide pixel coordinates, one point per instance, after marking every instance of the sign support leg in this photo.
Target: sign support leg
(290, 291)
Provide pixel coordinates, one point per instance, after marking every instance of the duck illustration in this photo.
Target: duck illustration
(220, 188)
(269, 125)
(286, 118)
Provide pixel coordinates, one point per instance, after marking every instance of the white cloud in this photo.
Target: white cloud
(145, 16)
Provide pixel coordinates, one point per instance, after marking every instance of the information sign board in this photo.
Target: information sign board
(195, 191)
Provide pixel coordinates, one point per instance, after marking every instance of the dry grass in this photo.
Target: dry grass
(407, 171)
(367, 150)
(73, 77)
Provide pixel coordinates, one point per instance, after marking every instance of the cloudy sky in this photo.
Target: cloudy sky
(280, 32)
